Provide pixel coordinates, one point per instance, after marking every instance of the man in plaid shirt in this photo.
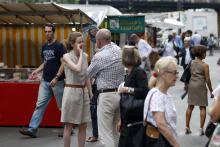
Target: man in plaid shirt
(106, 67)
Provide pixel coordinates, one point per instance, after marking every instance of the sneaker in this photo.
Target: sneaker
(201, 132)
(28, 133)
(188, 131)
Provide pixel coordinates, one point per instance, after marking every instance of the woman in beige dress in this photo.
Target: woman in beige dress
(197, 91)
(75, 102)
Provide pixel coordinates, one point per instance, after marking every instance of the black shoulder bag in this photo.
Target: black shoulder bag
(186, 74)
(140, 137)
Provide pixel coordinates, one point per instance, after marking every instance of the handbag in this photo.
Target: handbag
(131, 106)
(140, 136)
(153, 136)
(149, 136)
(210, 128)
(186, 74)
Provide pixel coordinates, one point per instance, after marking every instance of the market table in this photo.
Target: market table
(17, 104)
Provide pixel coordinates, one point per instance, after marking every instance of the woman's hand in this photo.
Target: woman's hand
(90, 95)
(164, 129)
(79, 47)
(118, 126)
(123, 90)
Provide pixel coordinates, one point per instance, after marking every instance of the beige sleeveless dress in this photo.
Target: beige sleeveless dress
(75, 102)
(197, 91)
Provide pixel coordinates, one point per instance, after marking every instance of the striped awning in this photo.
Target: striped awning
(38, 13)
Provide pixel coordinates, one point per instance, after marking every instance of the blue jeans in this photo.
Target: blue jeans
(45, 94)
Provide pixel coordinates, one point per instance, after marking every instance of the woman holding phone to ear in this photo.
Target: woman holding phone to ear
(75, 102)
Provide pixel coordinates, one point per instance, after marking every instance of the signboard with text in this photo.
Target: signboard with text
(126, 24)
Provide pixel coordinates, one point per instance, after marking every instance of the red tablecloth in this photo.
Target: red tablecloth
(18, 102)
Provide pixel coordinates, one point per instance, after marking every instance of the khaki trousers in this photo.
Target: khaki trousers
(108, 116)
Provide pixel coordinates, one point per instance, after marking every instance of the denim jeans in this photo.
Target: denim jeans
(45, 94)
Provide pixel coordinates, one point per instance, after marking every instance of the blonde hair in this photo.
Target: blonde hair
(160, 65)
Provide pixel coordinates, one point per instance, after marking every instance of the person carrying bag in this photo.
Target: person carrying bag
(133, 92)
(153, 137)
(159, 110)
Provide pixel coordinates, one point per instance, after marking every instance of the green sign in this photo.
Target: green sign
(126, 24)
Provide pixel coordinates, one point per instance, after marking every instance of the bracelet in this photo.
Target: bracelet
(56, 77)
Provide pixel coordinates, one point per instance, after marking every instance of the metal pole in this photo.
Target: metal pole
(87, 2)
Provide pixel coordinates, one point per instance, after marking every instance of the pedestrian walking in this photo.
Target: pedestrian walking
(186, 53)
(159, 110)
(169, 47)
(52, 82)
(211, 44)
(144, 50)
(197, 90)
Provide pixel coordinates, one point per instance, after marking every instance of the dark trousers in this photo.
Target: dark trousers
(127, 135)
(177, 49)
(211, 48)
(93, 110)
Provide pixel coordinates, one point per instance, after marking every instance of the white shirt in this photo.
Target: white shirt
(187, 57)
(169, 50)
(161, 102)
(144, 48)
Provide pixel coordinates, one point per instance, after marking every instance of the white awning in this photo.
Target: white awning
(38, 13)
(97, 12)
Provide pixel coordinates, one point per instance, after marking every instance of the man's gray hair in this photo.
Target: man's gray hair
(104, 34)
(133, 36)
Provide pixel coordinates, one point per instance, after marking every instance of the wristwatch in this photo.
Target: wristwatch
(130, 90)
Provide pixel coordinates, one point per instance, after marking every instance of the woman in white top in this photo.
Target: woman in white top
(169, 47)
(162, 112)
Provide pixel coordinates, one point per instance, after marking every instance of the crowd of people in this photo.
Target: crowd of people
(114, 90)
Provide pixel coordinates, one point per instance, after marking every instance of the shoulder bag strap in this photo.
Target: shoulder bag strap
(149, 106)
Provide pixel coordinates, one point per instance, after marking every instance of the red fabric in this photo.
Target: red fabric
(18, 102)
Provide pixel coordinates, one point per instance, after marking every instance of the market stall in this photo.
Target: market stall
(21, 38)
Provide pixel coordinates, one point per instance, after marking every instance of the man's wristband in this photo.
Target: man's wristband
(56, 77)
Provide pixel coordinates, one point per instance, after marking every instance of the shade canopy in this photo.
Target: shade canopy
(38, 13)
(97, 12)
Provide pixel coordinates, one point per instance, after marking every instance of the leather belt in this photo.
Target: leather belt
(74, 86)
(108, 90)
